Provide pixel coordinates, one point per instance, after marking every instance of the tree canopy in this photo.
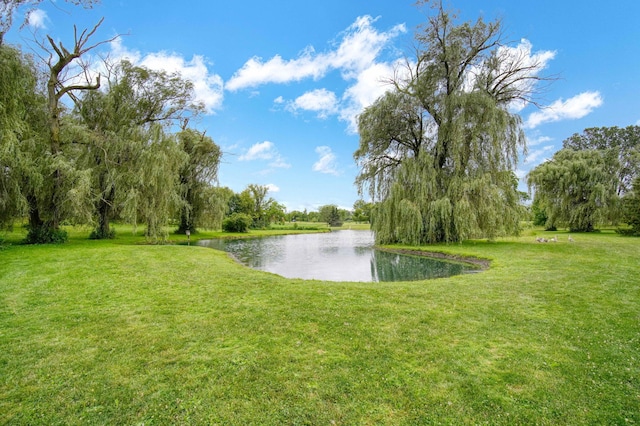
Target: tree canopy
(576, 188)
(437, 153)
(583, 184)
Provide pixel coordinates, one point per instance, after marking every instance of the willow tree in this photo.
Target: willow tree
(154, 194)
(201, 206)
(615, 143)
(134, 99)
(576, 188)
(22, 125)
(438, 151)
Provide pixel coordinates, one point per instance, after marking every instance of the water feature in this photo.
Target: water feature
(335, 256)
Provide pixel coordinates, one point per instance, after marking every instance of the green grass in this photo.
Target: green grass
(114, 332)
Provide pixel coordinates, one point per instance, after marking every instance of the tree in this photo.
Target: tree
(199, 172)
(134, 100)
(631, 208)
(362, 211)
(155, 194)
(437, 153)
(330, 214)
(65, 191)
(22, 125)
(576, 188)
(622, 144)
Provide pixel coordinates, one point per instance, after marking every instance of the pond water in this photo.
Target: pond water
(346, 255)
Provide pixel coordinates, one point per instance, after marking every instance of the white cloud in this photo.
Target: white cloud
(327, 161)
(538, 140)
(528, 65)
(321, 101)
(573, 108)
(534, 156)
(265, 151)
(208, 87)
(259, 151)
(370, 84)
(272, 187)
(37, 19)
(360, 46)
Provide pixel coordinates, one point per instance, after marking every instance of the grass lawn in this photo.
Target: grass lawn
(114, 332)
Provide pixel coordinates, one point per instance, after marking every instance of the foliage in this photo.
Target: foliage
(117, 119)
(19, 110)
(198, 174)
(45, 235)
(621, 147)
(438, 152)
(576, 188)
(253, 202)
(631, 209)
(362, 211)
(330, 214)
(237, 222)
(154, 196)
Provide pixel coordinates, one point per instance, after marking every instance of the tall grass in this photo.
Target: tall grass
(115, 332)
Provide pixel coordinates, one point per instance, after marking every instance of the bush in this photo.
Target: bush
(237, 222)
(45, 235)
(97, 234)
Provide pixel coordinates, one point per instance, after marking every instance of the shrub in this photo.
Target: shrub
(45, 235)
(237, 222)
(98, 234)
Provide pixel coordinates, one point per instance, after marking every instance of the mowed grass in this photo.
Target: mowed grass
(114, 332)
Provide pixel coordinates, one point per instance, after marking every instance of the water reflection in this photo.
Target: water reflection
(336, 256)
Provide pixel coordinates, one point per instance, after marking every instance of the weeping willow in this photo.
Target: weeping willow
(438, 152)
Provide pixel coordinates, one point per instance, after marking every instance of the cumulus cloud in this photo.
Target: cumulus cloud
(37, 19)
(259, 151)
(208, 87)
(265, 151)
(327, 161)
(571, 109)
(525, 66)
(272, 187)
(360, 46)
(321, 101)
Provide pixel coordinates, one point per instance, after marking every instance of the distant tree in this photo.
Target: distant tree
(362, 211)
(437, 154)
(631, 208)
(576, 188)
(313, 216)
(329, 214)
(237, 222)
(275, 212)
(622, 144)
(297, 216)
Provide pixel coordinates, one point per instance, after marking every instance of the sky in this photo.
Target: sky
(283, 81)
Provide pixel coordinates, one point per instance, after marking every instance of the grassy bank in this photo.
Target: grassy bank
(113, 332)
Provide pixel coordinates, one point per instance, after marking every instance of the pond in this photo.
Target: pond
(346, 255)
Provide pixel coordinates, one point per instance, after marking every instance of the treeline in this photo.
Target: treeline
(121, 150)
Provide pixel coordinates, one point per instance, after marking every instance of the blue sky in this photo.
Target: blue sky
(284, 80)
